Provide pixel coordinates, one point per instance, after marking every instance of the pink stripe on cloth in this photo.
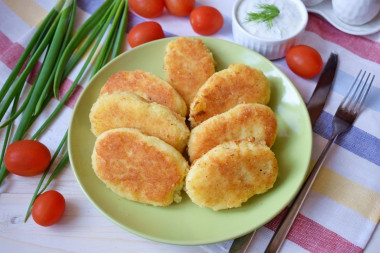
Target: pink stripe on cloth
(65, 86)
(34, 73)
(358, 45)
(314, 237)
(5, 43)
(9, 52)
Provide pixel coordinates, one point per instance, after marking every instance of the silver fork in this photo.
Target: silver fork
(344, 117)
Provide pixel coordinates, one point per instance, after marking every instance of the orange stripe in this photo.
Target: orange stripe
(29, 11)
(346, 192)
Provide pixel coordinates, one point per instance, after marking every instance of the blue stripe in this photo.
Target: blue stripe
(89, 6)
(343, 81)
(355, 140)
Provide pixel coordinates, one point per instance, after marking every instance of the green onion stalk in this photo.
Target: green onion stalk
(117, 13)
(11, 89)
(60, 60)
(34, 42)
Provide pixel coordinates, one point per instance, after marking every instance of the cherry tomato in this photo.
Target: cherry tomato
(180, 8)
(27, 158)
(206, 20)
(304, 61)
(147, 8)
(145, 32)
(48, 208)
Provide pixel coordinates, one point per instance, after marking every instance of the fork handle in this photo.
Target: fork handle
(280, 235)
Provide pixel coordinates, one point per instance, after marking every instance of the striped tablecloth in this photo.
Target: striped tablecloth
(340, 213)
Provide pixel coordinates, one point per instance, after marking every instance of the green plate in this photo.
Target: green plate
(186, 223)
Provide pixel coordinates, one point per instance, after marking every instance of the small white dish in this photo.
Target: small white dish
(311, 2)
(355, 12)
(272, 47)
(326, 11)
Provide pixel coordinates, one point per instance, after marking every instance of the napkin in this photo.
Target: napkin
(343, 207)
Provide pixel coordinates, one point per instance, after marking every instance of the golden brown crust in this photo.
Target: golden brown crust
(139, 167)
(188, 63)
(231, 173)
(225, 89)
(242, 121)
(123, 109)
(148, 86)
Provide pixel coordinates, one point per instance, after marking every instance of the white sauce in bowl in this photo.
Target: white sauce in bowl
(286, 24)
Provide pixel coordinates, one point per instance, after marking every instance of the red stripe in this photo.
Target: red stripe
(313, 237)
(358, 45)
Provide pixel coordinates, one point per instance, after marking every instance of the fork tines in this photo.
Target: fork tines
(354, 95)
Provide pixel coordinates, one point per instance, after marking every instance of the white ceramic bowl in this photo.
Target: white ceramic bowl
(356, 12)
(270, 48)
(311, 2)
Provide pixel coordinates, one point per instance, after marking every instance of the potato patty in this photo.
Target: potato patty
(241, 122)
(148, 86)
(239, 84)
(231, 173)
(139, 167)
(188, 63)
(123, 109)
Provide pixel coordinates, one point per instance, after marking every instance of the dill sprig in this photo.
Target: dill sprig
(268, 13)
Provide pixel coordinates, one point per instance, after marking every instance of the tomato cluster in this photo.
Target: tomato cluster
(205, 20)
(29, 158)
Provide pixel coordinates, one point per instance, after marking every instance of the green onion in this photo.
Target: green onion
(40, 33)
(9, 129)
(82, 32)
(31, 63)
(106, 49)
(20, 110)
(77, 79)
(37, 192)
(70, 16)
(114, 38)
(120, 33)
(53, 38)
(268, 13)
(45, 72)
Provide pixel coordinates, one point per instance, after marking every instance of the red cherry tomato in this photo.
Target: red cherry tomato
(27, 158)
(180, 8)
(145, 32)
(48, 208)
(206, 20)
(147, 8)
(304, 61)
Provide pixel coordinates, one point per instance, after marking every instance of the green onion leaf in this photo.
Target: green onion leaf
(34, 42)
(82, 32)
(37, 191)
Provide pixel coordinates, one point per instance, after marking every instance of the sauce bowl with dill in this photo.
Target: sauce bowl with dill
(269, 27)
